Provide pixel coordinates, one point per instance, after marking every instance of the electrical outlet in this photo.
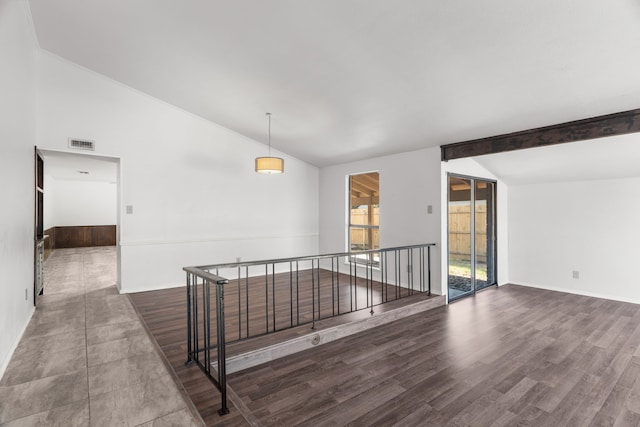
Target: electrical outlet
(238, 259)
(129, 209)
(576, 274)
(430, 209)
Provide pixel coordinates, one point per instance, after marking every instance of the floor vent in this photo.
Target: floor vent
(82, 144)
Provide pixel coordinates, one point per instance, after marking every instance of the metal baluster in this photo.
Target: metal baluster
(351, 283)
(399, 274)
(197, 326)
(246, 287)
(338, 282)
(273, 294)
(313, 299)
(366, 279)
(410, 270)
(421, 255)
(239, 305)
(205, 320)
(222, 356)
(386, 274)
(266, 296)
(370, 274)
(382, 286)
(355, 284)
(318, 287)
(291, 292)
(395, 273)
(297, 293)
(333, 295)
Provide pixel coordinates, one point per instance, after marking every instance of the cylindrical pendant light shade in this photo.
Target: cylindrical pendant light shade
(269, 165)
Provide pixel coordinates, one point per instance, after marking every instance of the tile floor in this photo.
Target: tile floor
(85, 358)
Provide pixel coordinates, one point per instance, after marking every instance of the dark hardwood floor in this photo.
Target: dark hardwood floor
(508, 356)
(164, 314)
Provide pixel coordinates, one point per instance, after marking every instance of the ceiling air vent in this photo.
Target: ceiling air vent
(82, 144)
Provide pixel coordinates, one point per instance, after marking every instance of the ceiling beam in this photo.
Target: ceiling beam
(359, 201)
(579, 130)
(371, 180)
(363, 189)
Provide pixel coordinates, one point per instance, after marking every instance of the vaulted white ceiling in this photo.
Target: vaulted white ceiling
(353, 79)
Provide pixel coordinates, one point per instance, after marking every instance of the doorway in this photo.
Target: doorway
(81, 208)
(471, 235)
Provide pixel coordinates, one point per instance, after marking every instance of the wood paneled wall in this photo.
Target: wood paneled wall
(81, 236)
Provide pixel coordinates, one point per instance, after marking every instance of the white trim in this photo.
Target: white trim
(105, 157)
(578, 292)
(213, 239)
(9, 355)
(154, 288)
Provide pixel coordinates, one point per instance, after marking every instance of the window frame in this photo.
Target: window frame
(369, 228)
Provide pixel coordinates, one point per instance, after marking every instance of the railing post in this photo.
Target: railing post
(222, 356)
(429, 268)
(189, 360)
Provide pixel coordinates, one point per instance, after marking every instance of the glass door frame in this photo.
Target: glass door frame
(494, 250)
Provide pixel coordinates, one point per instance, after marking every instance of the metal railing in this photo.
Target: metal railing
(261, 297)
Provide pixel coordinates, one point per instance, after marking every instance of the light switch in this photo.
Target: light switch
(430, 209)
(129, 209)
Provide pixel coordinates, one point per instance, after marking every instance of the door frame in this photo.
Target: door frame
(38, 224)
(117, 160)
(494, 252)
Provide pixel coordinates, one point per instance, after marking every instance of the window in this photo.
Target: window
(364, 216)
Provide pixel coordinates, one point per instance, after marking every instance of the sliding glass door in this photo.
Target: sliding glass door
(471, 225)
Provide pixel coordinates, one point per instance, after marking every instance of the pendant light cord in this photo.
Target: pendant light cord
(269, 115)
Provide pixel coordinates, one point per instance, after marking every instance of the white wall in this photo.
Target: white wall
(587, 226)
(470, 167)
(409, 183)
(81, 203)
(195, 195)
(17, 139)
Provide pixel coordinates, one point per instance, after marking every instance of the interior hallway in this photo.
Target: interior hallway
(85, 358)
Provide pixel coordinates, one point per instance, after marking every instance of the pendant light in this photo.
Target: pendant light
(269, 164)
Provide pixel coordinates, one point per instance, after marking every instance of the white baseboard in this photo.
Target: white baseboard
(154, 288)
(5, 362)
(579, 292)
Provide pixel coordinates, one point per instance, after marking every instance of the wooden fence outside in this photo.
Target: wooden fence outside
(359, 236)
(460, 230)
